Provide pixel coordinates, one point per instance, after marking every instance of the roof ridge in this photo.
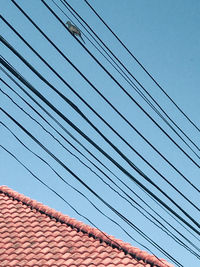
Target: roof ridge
(127, 248)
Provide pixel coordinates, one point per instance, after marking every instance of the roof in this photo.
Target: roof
(32, 234)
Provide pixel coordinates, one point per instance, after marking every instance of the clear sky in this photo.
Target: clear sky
(164, 36)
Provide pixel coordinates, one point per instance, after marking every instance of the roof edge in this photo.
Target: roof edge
(127, 248)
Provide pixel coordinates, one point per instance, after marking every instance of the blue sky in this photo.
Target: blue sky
(164, 36)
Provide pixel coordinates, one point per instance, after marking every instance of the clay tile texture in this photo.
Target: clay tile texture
(32, 234)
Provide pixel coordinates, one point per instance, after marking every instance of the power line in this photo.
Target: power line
(142, 66)
(110, 143)
(122, 73)
(131, 224)
(63, 128)
(107, 140)
(60, 177)
(68, 6)
(166, 230)
(42, 159)
(112, 241)
(97, 147)
(97, 159)
(76, 109)
(126, 92)
(63, 76)
(87, 103)
(106, 72)
(75, 210)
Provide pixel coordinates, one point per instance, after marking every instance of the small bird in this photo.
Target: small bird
(74, 30)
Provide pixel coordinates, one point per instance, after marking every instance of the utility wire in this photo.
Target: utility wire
(166, 230)
(98, 148)
(76, 108)
(112, 241)
(119, 69)
(79, 192)
(92, 108)
(76, 211)
(126, 92)
(68, 6)
(68, 184)
(133, 226)
(107, 140)
(159, 86)
(106, 72)
(63, 128)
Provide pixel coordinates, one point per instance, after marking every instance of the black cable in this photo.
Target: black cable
(85, 136)
(63, 128)
(126, 92)
(167, 231)
(122, 73)
(97, 147)
(143, 67)
(128, 195)
(116, 149)
(133, 226)
(98, 91)
(71, 152)
(84, 217)
(76, 108)
(106, 72)
(68, 184)
(68, 6)
(62, 78)
(106, 139)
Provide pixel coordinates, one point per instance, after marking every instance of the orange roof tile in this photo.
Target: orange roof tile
(32, 234)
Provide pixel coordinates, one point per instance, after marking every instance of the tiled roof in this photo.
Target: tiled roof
(32, 234)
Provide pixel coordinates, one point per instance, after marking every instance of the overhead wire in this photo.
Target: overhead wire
(133, 85)
(97, 159)
(166, 230)
(74, 65)
(78, 142)
(78, 191)
(75, 210)
(105, 138)
(46, 37)
(118, 68)
(146, 71)
(94, 110)
(18, 76)
(76, 108)
(68, 184)
(69, 150)
(131, 224)
(104, 151)
(128, 94)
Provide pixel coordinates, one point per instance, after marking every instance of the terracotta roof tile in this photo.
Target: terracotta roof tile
(32, 234)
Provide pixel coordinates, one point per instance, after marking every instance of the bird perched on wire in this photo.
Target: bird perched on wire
(74, 30)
